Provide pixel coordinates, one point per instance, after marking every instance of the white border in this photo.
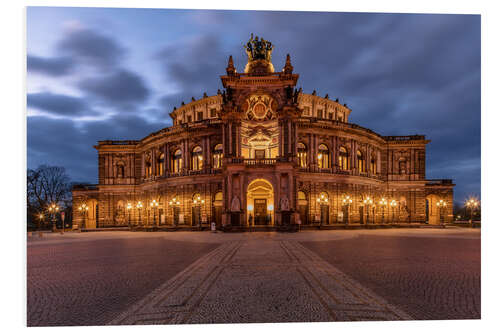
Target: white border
(14, 156)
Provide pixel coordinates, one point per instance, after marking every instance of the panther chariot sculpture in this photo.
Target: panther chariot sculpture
(259, 53)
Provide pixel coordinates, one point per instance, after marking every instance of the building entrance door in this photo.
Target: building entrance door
(196, 213)
(303, 214)
(260, 211)
(325, 214)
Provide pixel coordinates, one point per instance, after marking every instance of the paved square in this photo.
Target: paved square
(194, 277)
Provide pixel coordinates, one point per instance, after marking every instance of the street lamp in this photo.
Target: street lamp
(139, 208)
(383, 203)
(174, 203)
(347, 201)
(368, 202)
(270, 209)
(83, 209)
(322, 200)
(154, 205)
(53, 209)
(441, 204)
(472, 204)
(393, 204)
(129, 208)
(40, 217)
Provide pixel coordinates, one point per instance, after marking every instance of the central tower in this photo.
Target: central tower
(259, 109)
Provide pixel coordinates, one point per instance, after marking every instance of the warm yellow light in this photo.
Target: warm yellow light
(320, 156)
(250, 208)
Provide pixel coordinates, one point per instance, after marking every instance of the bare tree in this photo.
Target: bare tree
(46, 185)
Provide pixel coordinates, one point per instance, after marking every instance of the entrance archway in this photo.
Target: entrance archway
(260, 202)
(92, 215)
(431, 210)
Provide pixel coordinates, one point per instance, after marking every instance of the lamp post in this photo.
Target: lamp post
(173, 203)
(154, 205)
(83, 209)
(197, 202)
(472, 204)
(322, 200)
(270, 209)
(383, 204)
(250, 217)
(368, 202)
(129, 208)
(393, 206)
(347, 201)
(441, 204)
(53, 209)
(40, 217)
(139, 208)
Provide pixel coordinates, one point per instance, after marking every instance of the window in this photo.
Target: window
(323, 154)
(302, 154)
(320, 113)
(306, 110)
(217, 156)
(200, 115)
(340, 116)
(373, 165)
(212, 113)
(330, 116)
(301, 195)
(189, 119)
(148, 167)
(197, 158)
(159, 164)
(177, 161)
(361, 161)
(343, 155)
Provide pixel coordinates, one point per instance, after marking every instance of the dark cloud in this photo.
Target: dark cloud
(50, 66)
(59, 104)
(61, 142)
(91, 47)
(194, 65)
(120, 87)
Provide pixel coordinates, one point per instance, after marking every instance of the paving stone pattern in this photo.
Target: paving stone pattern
(259, 281)
(429, 278)
(89, 283)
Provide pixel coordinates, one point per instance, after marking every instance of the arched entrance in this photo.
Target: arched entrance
(92, 215)
(260, 202)
(431, 210)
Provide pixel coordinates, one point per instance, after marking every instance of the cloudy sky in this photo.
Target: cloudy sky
(96, 74)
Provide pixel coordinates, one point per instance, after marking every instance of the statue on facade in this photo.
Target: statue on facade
(235, 204)
(258, 49)
(284, 204)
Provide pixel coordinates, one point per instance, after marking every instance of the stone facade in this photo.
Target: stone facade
(262, 153)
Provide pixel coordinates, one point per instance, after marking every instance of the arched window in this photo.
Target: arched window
(218, 196)
(373, 165)
(301, 195)
(120, 170)
(302, 154)
(197, 158)
(361, 161)
(343, 158)
(323, 154)
(159, 164)
(217, 156)
(148, 167)
(177, 161)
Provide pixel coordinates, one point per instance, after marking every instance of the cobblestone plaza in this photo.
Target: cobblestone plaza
(125, 278)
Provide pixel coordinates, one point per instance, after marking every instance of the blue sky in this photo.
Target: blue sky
(96, 74)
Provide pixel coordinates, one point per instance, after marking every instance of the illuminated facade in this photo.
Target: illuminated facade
(262, 153)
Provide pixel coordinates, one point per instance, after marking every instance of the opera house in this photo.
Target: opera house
(262, 154)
